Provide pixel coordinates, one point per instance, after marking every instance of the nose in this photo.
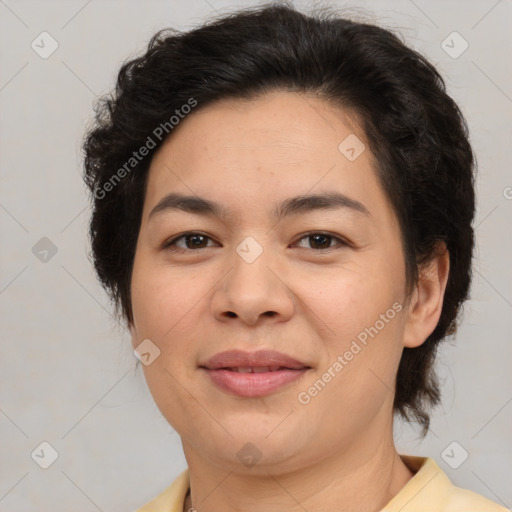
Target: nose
(254, 289)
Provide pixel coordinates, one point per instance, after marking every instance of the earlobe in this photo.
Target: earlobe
(427, 300)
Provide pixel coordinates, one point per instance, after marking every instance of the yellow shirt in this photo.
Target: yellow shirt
(429, 490)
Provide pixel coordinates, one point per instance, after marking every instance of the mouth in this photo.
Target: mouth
(256, 369)
(253, 374)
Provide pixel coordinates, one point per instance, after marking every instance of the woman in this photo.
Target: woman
(282, 213)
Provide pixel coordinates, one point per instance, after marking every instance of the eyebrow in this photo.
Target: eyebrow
(291, 206)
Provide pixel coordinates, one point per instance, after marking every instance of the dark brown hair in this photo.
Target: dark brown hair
(416, 132)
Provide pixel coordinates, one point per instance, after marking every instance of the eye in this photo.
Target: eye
(191, 239)
(321, 241)
(194, 240)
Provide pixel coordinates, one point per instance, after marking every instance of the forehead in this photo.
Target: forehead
(281, 122)
(247, 153)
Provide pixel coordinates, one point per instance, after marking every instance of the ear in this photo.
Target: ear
(426, 302)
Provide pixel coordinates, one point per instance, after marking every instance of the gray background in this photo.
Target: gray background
(67, 370)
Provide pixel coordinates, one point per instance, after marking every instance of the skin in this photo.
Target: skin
(337, 451)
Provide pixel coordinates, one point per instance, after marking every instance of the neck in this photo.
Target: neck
(363, 478)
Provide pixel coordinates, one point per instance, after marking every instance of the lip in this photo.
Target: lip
(253, 384)
(239, 358)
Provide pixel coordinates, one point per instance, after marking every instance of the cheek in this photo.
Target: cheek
(361, 309)
(164, 303)
(349, 299)
(164, 300)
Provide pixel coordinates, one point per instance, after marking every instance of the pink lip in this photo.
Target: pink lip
(232, 358)
(253, 384)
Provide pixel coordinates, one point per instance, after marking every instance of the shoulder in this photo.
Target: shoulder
(430, 490)
(464, 500)
(171, 498)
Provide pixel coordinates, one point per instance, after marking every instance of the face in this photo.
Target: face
(321, 282)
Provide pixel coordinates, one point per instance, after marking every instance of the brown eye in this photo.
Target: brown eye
(191, 241)
(322, 241)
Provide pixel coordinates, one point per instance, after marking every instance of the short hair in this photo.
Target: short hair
(415, 131)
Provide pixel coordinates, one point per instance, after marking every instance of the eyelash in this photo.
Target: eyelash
(168, 244)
